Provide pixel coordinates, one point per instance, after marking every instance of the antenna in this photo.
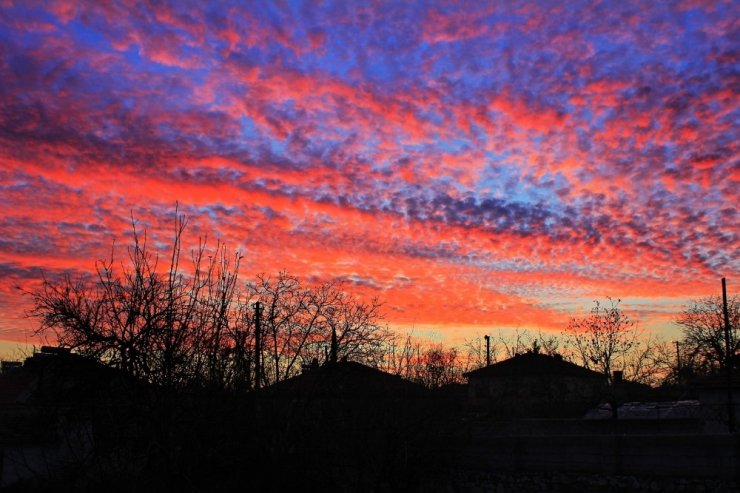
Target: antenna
(678, 362)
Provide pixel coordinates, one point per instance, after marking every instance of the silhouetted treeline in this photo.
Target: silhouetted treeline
(185, 320)
(191, 322)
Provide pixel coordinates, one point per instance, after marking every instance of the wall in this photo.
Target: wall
(509, 482)
(684, 455)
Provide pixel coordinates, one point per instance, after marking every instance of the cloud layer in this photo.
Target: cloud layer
(473, 165)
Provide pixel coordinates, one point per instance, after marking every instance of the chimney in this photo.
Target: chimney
(306, 367)
(617, 376)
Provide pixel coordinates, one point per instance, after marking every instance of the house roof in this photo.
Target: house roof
(533, 364)
(718, 381)
(55, 376)
(345, 379)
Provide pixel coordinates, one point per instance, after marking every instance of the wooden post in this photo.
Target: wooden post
(678, 363)
(257, 344)
(488, 350)
(729, 356)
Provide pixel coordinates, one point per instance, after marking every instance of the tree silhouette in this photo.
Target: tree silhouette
(169, 326)
(607, 339)
(193, 325)
(298, 323)
(440, 366)
(702, 323)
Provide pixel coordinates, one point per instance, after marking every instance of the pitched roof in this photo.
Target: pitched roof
(345, 379)
(533, 364)
(55, 376)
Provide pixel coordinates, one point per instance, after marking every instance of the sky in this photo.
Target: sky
(477, 166)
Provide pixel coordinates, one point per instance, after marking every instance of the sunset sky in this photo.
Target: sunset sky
(477, 166)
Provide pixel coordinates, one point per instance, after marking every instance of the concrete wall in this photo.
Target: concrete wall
(535, 426)
(533, 482)
(686, 455)
(714, 408)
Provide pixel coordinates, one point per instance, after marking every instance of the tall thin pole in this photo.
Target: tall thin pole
(257, 344)
(678, 363)
(728, 358)
(488, 350)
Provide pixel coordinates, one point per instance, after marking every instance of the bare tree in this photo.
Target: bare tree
(703, 324)
(514, 344)
(360, 336)
(431, 364)
(602, 340)
(549, 344)
(523, 341)
(299, 321)
(650, 361)
(293, 317)
(400, 356)
(169, 326)
(475, 353)
(439, 366)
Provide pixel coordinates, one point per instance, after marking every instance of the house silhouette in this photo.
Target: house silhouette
(533, 385)
(56, 409)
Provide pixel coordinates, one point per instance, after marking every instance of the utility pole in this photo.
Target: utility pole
(678, 363)
(728, 358)
(257, 344)
(488, 350)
